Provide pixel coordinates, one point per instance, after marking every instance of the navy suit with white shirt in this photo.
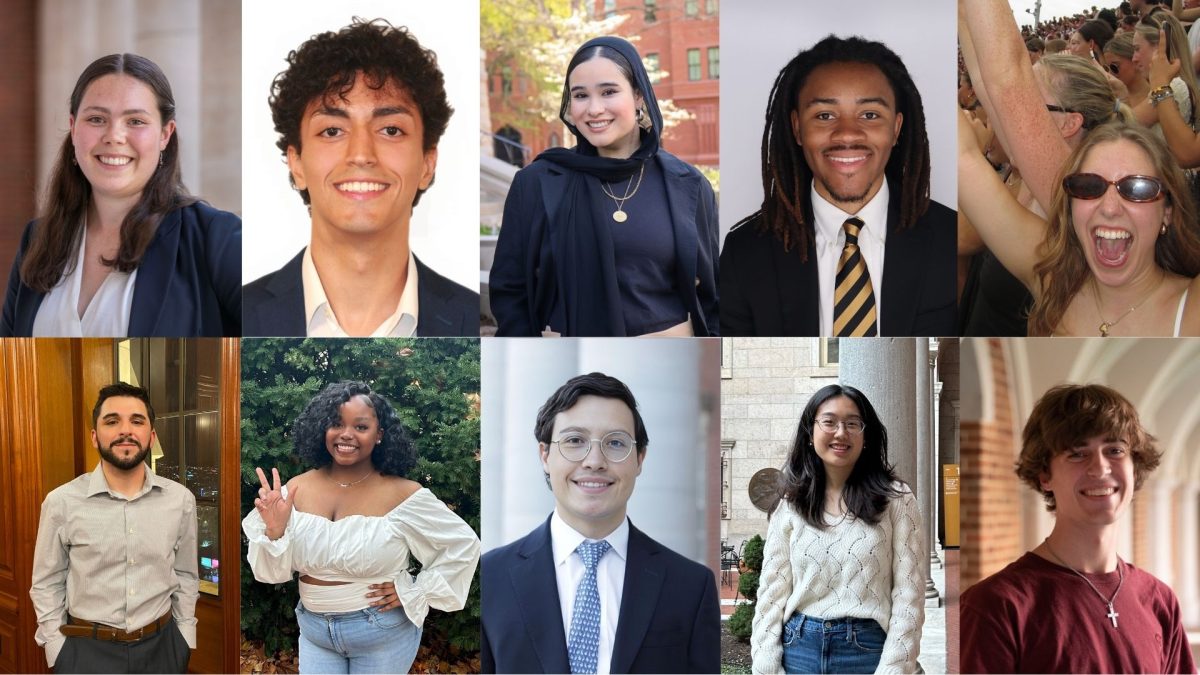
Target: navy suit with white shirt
(669, 620)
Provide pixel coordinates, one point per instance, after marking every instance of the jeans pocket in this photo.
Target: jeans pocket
(792, 630)
(386, 620)
(868, 638)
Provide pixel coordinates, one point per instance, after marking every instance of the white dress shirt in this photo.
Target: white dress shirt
(831, 239)
(321, 321)
(610, 580)
(107, 315)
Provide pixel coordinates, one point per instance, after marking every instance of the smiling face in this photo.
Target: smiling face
(846, 123)
(1092, 482)
(118, 135)
(362, 160)
(604, 107)
(839, 450)
(590, 495)
(1118, 236)
(123, 434)
(352, 437)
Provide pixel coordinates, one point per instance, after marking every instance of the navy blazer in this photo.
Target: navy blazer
(524, 246)
(670, 619)
(770, 293)
(274, 304)
(188, 282)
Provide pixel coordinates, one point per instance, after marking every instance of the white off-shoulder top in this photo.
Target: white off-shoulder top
(360, 548)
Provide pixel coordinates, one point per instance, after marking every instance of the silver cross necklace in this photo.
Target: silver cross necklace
(1112, 613)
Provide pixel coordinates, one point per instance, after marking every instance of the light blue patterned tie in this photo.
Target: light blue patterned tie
(583, 644)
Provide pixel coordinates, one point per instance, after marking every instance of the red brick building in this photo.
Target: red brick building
(678, 37)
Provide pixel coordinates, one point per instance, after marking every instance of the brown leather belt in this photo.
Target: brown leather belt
(98, 631)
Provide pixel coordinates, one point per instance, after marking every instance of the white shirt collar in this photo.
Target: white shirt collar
(829, 218)
(565, 539)
(321, 321)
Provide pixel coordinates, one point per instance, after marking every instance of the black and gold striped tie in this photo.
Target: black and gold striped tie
(853, 297)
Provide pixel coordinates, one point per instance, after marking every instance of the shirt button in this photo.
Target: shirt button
(131, 592)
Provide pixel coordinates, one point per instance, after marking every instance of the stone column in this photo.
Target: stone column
(925, 454)
(1187, 501)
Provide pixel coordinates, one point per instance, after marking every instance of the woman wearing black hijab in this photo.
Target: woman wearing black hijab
(615, 237)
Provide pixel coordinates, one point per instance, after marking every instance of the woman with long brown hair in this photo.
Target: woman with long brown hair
(121, 248)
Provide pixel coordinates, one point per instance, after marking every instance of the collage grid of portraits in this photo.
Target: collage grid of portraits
(706, 391)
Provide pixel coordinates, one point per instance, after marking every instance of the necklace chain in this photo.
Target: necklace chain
(619, 214)
(1106, 325)
(1112, 614)
(353, 482)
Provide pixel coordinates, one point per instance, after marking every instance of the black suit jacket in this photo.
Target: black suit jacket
(768, 292)
(670, 619)
(273, 306)
(188, 282)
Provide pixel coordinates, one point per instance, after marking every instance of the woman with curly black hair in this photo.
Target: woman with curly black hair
(348, 526)
(841, 588)
(616, 236)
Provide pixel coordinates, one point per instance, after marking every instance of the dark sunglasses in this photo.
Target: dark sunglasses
(1059, 108)
(1131, 188)
(1114, 69)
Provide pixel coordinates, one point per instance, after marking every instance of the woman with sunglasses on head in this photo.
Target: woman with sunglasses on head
(842, 587)
(615, 237)
(348, 527)
(121, 248)
(1119, 254)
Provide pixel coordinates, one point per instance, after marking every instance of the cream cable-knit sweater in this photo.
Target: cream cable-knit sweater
(851, 569)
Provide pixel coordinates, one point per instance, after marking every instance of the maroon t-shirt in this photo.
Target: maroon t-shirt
(1037, 617)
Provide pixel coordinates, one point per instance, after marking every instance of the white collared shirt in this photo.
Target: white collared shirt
(321, 321)
(610, 580)
(107, 315)
(831, 239)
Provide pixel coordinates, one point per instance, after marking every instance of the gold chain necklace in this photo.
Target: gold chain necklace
(353, 482)
(619, 215)
(1106, 325)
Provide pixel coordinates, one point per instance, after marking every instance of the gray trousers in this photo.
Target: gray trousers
(164, 652)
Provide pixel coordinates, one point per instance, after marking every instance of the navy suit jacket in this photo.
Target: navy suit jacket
(768, 292)
(670, 619)
(188, 282)
(274, 304)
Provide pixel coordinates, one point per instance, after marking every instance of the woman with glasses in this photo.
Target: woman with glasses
(1118, 55)
(348, 527)
(1119, 254)
(842, 584)
(616, 236)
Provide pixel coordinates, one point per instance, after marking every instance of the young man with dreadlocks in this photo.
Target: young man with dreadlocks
(847, 242)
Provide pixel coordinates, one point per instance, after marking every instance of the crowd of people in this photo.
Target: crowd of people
(1078, 177)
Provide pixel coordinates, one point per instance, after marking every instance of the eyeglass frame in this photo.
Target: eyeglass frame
(839, 424)
(632, 447)
(1162, 187)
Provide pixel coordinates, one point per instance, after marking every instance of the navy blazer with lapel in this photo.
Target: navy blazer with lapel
(188, 282)
(670, 619)
(521, 285)
(274, 304)
(768, 292)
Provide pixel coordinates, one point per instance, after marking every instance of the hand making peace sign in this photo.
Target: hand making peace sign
(272, 506)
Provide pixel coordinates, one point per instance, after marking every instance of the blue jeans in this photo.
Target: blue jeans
(815, 645)
(366, 641)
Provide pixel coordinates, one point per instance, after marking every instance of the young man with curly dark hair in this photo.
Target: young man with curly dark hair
(1071, 605)
(359, 114)
(847, 242)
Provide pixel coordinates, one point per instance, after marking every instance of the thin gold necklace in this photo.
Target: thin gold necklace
(1106, 325)
(1112, 613)
(619, 215)
(353, 482)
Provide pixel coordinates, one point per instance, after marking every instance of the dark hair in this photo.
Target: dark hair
(122, 389)
(327, 65)
(1109, 17)
(1035, 44)
(592, 384)
(870, 485)
(787, 205)
(585, 55)
(1066, 417)
(395, 455)
(1096, 30)
(50, 253)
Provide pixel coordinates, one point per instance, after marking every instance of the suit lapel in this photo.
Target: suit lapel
(435, 315)
(154, 276)
(285, 316)
(540, 609)
(644, 576)
(902, 264)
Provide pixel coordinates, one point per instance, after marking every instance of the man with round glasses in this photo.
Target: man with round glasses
(587, 591)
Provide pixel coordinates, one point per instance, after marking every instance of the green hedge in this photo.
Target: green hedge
(434, 386)
(743, 616)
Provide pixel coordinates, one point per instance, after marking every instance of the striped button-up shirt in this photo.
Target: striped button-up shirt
(116, 560)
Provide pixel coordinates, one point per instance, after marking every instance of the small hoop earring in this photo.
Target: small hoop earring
(1162, 230)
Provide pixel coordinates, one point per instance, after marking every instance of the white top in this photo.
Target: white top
(831, 239)
(319, 315)
(848, 570)
(107, 315)
(610, 580)
(1179, 312)
(373, 549)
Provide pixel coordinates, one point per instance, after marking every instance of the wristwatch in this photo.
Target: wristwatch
(1160, 94)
